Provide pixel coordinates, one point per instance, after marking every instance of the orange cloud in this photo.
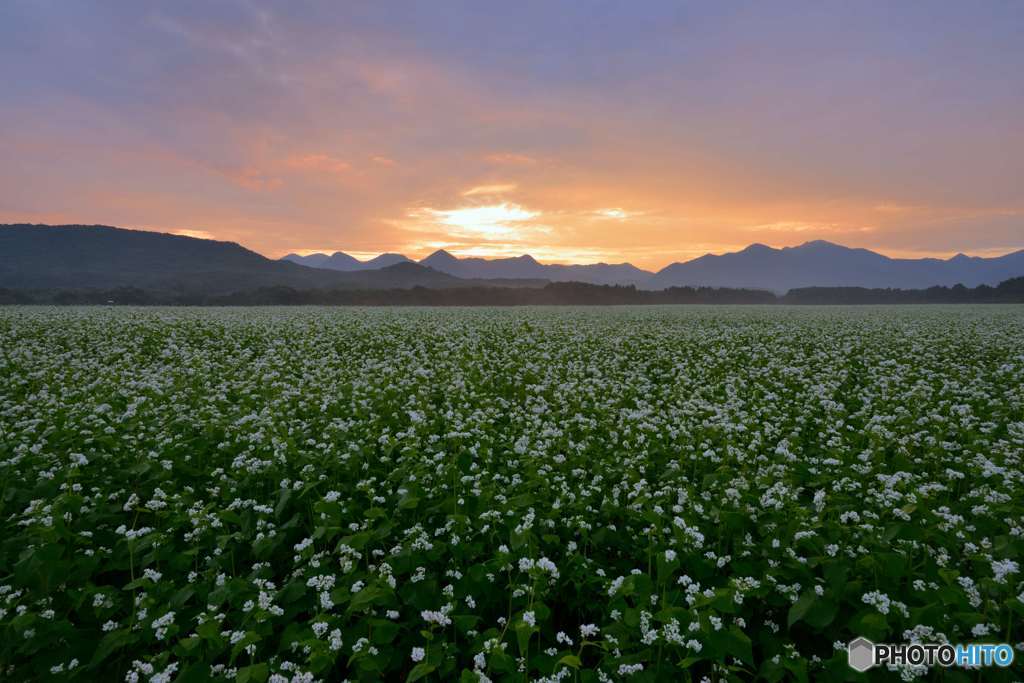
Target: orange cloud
(503, 221)
(490, 189)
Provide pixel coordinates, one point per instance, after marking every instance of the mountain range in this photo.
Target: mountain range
(824, 264)
(97, 256)
(812, 264)
(516, 267)
(69, 256)
(341, 261)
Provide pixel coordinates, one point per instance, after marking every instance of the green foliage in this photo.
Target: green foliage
(634, 494)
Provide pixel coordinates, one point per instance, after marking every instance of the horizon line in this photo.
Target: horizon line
(364, 256)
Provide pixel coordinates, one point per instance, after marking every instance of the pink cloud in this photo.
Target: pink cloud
(322, 163)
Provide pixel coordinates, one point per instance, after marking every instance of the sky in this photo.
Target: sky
(574, 131)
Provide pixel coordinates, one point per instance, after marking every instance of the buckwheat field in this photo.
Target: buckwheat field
(660, 494)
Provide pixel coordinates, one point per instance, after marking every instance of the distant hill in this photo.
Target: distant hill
(528, 267)
(823, 264)
(318, 260)
(339, 260)
(103, 257)
(518, 267)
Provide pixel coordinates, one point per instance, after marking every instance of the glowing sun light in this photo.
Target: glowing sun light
(495, 221)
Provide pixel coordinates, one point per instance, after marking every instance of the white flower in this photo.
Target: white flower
(161, 624)
(418, 653)
(1001, 569)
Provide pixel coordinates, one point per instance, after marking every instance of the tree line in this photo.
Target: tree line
(556, 293)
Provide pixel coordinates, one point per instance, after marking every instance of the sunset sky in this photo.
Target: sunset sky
(575, 131)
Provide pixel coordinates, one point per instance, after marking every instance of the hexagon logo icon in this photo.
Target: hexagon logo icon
(860, 654)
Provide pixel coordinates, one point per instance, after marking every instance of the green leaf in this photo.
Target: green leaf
(257, 673)
(871, 625)
(111, 643)
(384, 631)
(797, 668)
(181, 597)
(835, 574)
(501, 662)
(282, 502)
(209, 630)
(367, 597)
(738, 644)
(190, 643)
(521, 501)
(465, 622)
(523, 633)
(822, 613)
(800, 607)
(570, 660)
(194, 673)
(419, 671)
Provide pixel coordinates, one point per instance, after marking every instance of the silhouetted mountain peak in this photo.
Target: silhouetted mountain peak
(440, 256)
(527, 267)
(819, 263)
(820, 244)
(384, 260)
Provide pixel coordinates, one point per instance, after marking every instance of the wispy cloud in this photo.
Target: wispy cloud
(490, 189)
(613, 214)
